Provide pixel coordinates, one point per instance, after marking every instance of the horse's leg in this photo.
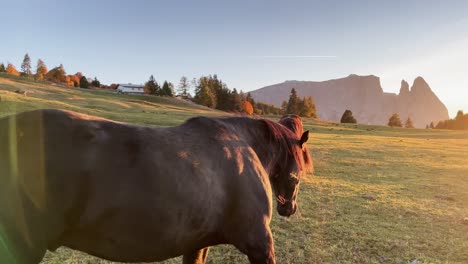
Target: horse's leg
(196, 257)
(258, 246)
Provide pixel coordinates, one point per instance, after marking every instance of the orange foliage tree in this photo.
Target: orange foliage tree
(41, 70)
(12, 70)
(248, 108)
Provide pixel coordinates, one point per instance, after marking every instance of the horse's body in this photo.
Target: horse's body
(139, 194)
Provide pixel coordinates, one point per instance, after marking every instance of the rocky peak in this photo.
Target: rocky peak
(364, 96)
(404, 89)
(420, 86)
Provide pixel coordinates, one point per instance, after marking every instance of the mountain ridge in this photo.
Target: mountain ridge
(364, 96)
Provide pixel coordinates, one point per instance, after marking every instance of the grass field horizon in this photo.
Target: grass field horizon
(378, 195)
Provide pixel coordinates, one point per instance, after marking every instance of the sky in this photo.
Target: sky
(248, 44)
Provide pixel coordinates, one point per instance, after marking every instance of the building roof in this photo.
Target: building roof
(129, 85)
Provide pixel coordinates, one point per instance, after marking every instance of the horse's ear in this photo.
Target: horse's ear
(304, 137)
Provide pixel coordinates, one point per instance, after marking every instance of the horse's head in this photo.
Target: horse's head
(286, 174)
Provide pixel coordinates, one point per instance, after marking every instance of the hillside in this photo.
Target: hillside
(364, 96)
(378, 195)
(141, 109)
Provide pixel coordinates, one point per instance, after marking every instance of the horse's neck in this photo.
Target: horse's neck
(267, 151)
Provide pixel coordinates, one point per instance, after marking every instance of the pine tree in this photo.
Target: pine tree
(2, 67)
(183, 87)
(431, 125)
(151, 86)
(459, 116)
(409, 123)
(204, 94)
(459, 124)
(236, 101)
(84, 82)
(250, 99)
(293, 103)
(166, 89)
(96, 83)
(348, 117)
(394, 121)
(26, 65)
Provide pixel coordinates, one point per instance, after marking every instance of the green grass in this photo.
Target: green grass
(379, 195)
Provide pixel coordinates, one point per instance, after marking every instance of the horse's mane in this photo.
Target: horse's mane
(281, 136)
(293, 122)
(285, 138)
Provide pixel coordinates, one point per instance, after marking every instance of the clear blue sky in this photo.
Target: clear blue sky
(249, 44)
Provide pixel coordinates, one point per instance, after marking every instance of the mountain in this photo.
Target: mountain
(364, 96)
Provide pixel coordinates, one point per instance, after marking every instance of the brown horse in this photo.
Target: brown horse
(140, 194)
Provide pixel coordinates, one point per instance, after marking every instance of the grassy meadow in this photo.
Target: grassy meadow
(378, 195)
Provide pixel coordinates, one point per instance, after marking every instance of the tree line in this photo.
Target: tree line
(304, 107)
(460, 122)
(209, 90)
(56, 75)
(152, 87)
(212, 92)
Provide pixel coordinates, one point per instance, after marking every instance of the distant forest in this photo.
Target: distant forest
(460, 122)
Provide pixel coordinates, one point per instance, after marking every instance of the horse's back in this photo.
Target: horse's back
(103, 187)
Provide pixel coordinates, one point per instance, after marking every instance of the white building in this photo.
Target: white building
(131, 88)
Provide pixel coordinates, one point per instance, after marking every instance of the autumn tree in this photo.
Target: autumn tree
(284, 107)
(348, 117)
(307, 107)
(394, 121)
(183, 87)
(26, 65)
(409, 123)
(57, 75)
(248, 108)
(41, 70)
(11, 69)
(73, 80)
